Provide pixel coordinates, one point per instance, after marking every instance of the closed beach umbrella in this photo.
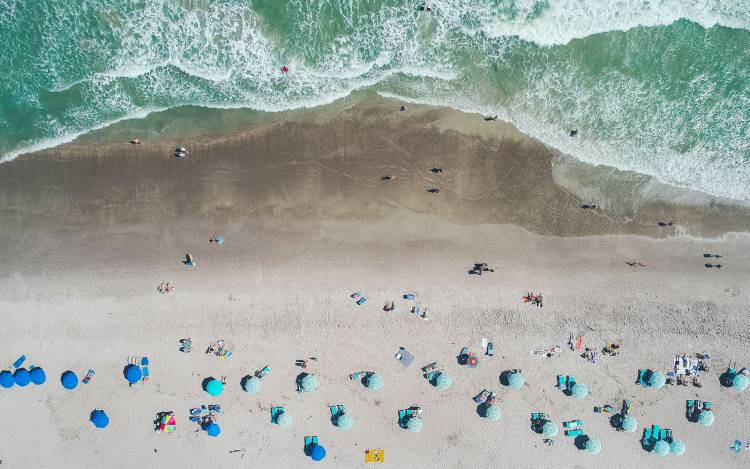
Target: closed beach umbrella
(374, 382)
(593, 446)
(212, 429)
(550, 429)
(706, 418)
(515, 380)
(493, 413)
(133, 373)
(214, 387)
(579, 391)
(37, 375)
(69, 380)
(284, 420)
(677, 448)
(317, 453)
(99, 418)
(6, 379)
(443, 381)
(22, 377)
(740, 382)
(345, 422)
(310, 383)
(661, 448)
(629, 424)
(168, 424)
(414, 424)
(252, 385)
(657, 380)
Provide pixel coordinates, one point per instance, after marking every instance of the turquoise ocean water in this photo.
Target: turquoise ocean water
(661, 87)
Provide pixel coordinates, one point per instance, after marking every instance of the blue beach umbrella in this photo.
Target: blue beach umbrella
(37, 375)
(252, 385)
(212, 429)
(579, 391)
(493, 413)
(375, 382)
(593, 446)
(133, 373)
(22, 377)
(345, 422)
(69, 380)
(6, 379)
(317, 453)
(515, 380)
(214, 387)
(740, 382)
(99, 418)
(309, 382)
(629, 424)
(661, 448)
(706, 418)
(677, 447)
(550, 429)
(414, 424)
(443, 381)
(657, 380)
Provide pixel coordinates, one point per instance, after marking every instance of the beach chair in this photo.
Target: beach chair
(538, 416)
(409, 296)
(561, 381)
(431, 375)
(356, 295)
(89, 375)
(263, 372)
(646, 438)
(707, 405)
(569, 382)
(361, 301)
(655, 432)
(374, 455)
(356, 376)
(490, 349)
(310, 441)
(642, 377)
(667, 435)
(576, 432)
(482, 396)
(19, 361)
(404, 357)
(402, 418)
(275, 412)
(572, 424)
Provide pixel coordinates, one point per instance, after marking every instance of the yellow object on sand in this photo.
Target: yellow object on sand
(374, 455)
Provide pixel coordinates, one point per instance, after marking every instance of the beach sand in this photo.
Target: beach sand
(87, 232)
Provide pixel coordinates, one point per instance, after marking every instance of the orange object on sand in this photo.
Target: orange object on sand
(374, 455)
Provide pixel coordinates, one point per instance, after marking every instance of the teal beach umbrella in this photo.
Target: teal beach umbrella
(677, 447)
(550, 429)
(593, 446)
(309, 383)
(579, 391)
(629, 424)
(493, 413)
(661, 448)
(414, 424)
(345, 422)
(375, 382)
(515, 380)
(443, 381)
(706, 418)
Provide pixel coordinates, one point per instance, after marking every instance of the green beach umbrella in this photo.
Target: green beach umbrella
(593, 446)
(677, 448)
(661, 448)
(443, 381)
(579, 391)
(740, 382)
(493, 413)
(252, 385)
(414, 424)
(284, 420)
(515, 380)
(309, 383)
(706, 418)
(657, 380)
(345, 422)
(374, 382)
(629, 424)
(550, 429)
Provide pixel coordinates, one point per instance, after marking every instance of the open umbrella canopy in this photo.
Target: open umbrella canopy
(99, 418)
(212, 429)
(414, 424)
(443, 381)
(593, 446)
(345, 422)
(629, 424)
(168, 424)
(515, 380)
(493, 413)
(550, 429)
(37, 375)
(69, 380)
(132, 373)
(22, 377)
(252, 385)
(317, 453)
(6, 379)
(657, 380)
(677, 447)
(284, 420)
(579, 391)
(214, 387)
(309, 383)
(706, 418)
(661, 448)
(375, 382)
(740, 382)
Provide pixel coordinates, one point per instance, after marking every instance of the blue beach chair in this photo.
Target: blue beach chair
(643, 377)
(576, 432)
(561, 381)
(275, 412)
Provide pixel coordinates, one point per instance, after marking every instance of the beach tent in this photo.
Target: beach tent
(579, 391)
(317, 453)
(345, 422)
(309, 383)
(214, 387)
(6, 379)
(22, 377)
(550, 429)
(99, 418)
(284, 420)
(740, 382)
(706, 418)
(252, 385)
(677, 448)
(132, 373)
(657, 380)
(443, 381)
(593, 446)
(374, 382)
(212, 429)
(37, 375)
(69, 380)
(493, 413)
(168, 424)
(661, 448)
(515, 380)
(629, 424)
(414, 424)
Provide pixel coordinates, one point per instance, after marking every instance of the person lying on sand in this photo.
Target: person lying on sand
(136, 141)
